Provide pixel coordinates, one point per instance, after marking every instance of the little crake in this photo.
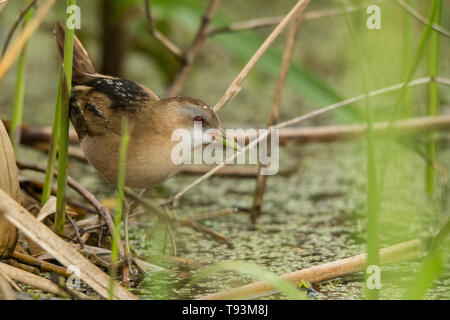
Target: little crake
(98, 105)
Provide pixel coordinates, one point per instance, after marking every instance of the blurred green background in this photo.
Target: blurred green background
(324, 70)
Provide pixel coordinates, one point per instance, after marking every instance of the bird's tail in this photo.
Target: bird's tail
(81, 63)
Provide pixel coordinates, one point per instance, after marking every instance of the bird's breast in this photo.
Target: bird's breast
(147, 166)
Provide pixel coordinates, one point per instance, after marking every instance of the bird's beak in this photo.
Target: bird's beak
(227, 141)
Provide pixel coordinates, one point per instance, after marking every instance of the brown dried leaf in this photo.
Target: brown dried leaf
(47, 209)
(9, 182)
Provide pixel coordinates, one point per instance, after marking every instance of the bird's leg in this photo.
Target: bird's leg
(134, 203)
(126, 212)
(127, 265)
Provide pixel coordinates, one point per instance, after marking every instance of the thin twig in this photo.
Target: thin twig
(167, 215)
(16, 24)
(77, 232)
(235, 171)
(302, 118)
(312, 15)
(169, 45)
(421, 18)
(260, 186)
(201, 228)
(172, 238)
(270, 21)
(346, 102)
(235, 86)
(193, 50)
(214, 214)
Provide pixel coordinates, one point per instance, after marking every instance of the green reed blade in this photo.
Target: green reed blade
(434, 98)
(373, 199)
(119, 205)
(63, 158)
(54, 142)
(19, 94)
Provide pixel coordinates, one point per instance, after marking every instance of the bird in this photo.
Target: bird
(100, 103)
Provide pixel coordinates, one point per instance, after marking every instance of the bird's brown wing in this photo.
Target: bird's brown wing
(99, 103)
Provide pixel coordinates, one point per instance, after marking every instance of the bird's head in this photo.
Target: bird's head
(195, 115)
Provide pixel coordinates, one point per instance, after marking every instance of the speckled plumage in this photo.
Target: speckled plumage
(99, 103)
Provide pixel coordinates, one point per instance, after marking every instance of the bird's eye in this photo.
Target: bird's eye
(199, 118)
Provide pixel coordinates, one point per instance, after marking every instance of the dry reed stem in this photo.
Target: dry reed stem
(332, 133)
(193, 50)
(288, 136)
(396, 253)
(40, 264)
(13, 52)
(38, 282)
(2, 5)
(260, 186)
(29, 134)
(169, 45)
(344, 132)
(307, 116)
(58, 248)
(31, 279)
(235, 86)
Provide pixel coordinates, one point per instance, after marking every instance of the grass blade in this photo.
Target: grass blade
(433, 265)
(406, 61)
(63, 158)
(373, 200)
(434, 98)
(280, 284)
(54, 142)
(119, 205)
(19, 94)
